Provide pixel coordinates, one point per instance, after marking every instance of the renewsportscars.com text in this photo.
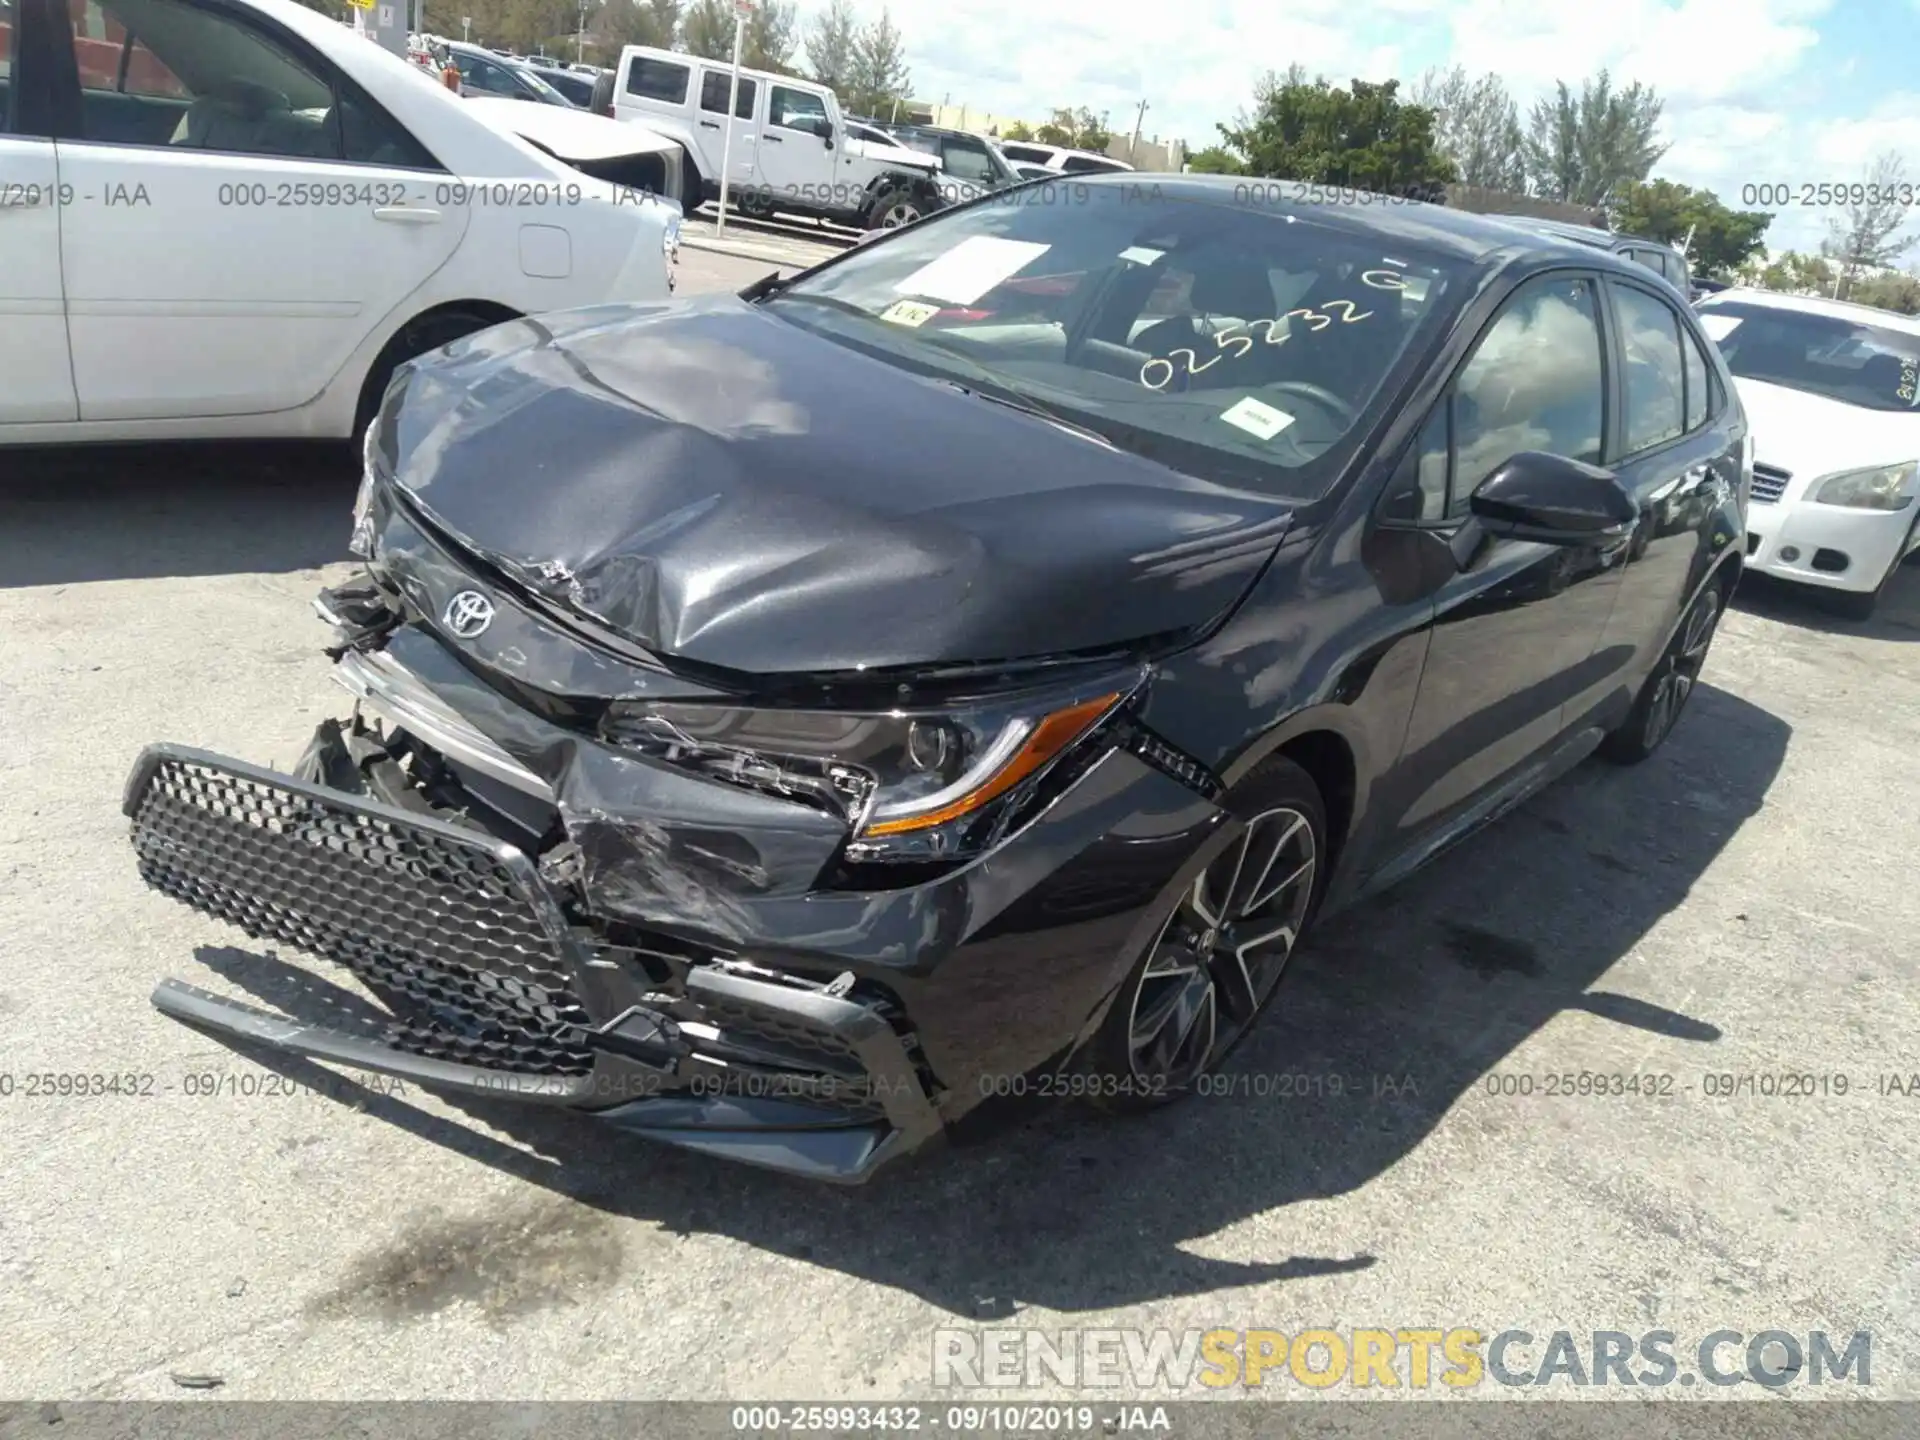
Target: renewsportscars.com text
(1419, 1358)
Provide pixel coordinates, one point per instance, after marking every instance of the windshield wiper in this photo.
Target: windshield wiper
(1034, 408)
(769, 284)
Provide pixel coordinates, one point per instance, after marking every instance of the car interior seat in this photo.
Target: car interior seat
(1223, 299)
(1881, 375)
(245, 118)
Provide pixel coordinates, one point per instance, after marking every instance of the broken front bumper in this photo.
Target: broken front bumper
(494, 992)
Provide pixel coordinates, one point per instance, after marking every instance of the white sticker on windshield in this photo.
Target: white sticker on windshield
(971, 269)
(1718, 327)
(909, 312)
(1141, 255)
(1262, 421)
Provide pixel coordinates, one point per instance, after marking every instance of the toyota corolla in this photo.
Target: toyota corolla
(780, 774)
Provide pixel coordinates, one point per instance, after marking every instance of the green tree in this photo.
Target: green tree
(1075, 129)
(1583, 149)
(1866, 235)
(653, 23)
(831, 45)
(1477, 127)
(1791, 273)
(772, 38)
(879, 75)
(706, 29)
(1723, 239)
(1366, 137)
(1888, 290)
(1019, 130)
(1216, 160)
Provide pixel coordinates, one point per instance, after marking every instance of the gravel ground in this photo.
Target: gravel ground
(1744, 904)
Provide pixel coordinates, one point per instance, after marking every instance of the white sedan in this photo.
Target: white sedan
(249, 215)
(1833, 392)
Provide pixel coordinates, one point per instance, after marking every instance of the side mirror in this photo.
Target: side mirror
(1552, 500)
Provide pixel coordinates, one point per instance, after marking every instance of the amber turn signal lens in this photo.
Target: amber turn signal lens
(1049, 738)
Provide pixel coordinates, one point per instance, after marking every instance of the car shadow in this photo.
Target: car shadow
(126, 512)
(1395, 1010)
(1896, 618)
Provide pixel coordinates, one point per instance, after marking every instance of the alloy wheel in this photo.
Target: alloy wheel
(1681, 669)
(1222, 950)
(900, 212)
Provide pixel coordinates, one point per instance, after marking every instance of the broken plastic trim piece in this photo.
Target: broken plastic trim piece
(382, 684)
(204, 1010)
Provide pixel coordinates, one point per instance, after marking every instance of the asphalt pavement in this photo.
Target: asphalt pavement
(1744, 905)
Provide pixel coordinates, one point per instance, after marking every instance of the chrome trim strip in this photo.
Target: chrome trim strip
(392, 691)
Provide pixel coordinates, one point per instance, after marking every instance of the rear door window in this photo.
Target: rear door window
(714, 88)
(658, 80)
(1655, 374)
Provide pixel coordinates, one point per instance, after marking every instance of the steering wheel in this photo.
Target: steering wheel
(1319, 395)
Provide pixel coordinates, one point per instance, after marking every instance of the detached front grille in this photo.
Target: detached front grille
(1770, 483)
(442, 924)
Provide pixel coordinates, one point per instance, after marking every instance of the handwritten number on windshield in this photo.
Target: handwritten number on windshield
(1909, 381)
(1160, 372)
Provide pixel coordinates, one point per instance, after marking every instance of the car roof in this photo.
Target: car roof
(1463, 234)
(1564, 230)
(1817, 305)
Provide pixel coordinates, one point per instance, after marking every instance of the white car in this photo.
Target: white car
(881, 148)
(1833, 393)
(259, 214)
(1058, 159)
(617, 152)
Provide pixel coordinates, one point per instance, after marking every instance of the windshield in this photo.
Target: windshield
(541, 87)
(1853, 361)
(1223, 340)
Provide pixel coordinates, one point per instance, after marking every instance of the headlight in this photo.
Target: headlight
(1884, 487)
(910, 785)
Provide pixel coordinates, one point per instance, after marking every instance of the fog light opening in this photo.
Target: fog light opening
(1789, 553)
(1832, 562)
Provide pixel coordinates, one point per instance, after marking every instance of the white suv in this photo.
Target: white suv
(1833, 393)
(235, 218)
(790, 149)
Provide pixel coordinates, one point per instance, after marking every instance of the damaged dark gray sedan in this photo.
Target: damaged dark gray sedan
(783, 722)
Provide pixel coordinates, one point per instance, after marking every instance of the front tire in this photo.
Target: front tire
(1219, 953)
(893, 208)
(1656, 710)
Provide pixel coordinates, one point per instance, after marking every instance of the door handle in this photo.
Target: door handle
(709, 124)
(773, 139)
(406, 215)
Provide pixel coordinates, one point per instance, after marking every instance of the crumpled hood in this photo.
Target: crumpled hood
(720, 485)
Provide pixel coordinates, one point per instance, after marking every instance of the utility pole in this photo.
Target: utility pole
(1133, 145)
(580, 38)
(741, 9)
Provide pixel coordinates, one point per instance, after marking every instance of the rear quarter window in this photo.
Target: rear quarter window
(658, 80)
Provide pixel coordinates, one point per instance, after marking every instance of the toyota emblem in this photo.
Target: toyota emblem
(468, 614)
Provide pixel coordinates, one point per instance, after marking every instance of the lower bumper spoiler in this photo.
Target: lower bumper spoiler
(327, 872)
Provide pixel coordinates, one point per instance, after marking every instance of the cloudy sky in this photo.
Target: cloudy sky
(1756, 90)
